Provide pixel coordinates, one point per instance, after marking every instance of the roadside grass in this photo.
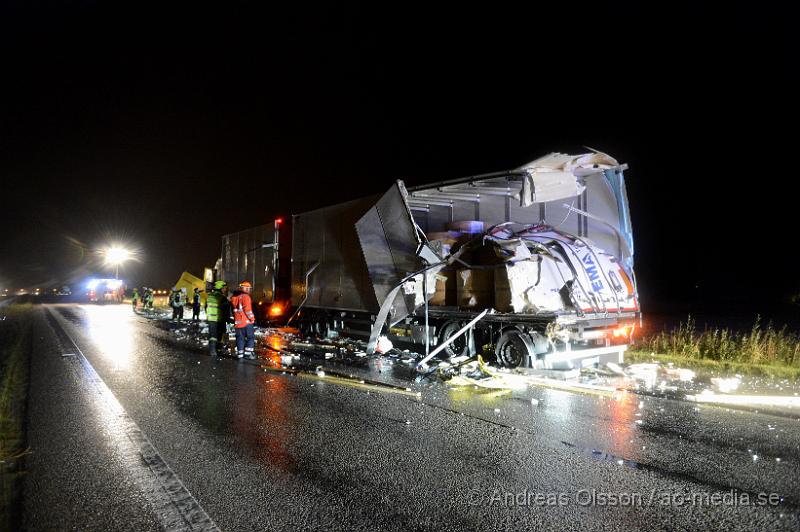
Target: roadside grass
(716, 367)
(15, 348)
(762, 350)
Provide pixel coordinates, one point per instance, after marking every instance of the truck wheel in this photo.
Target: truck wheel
(321, 327)
(513, 348)
(306, 328)
(459, 346)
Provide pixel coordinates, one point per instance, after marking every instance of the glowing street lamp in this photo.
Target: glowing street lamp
(115, 256)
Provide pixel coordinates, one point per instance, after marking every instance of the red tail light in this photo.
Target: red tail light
(623, 331)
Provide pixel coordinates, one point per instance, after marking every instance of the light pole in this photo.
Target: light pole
(115, 256)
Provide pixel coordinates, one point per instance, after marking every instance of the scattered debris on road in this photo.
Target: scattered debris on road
(286, 349)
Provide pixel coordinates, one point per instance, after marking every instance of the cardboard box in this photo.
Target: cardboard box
(475, 289)
(445, 237)
(445, 294)
(510, 286)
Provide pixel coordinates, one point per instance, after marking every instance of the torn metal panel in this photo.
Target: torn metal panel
(557, 176)
(616, 182)
(390, 242)
(599, 282)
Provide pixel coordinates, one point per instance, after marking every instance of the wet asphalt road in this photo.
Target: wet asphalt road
(162, 437)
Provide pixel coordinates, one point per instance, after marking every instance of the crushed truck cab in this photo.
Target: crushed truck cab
(546, 250)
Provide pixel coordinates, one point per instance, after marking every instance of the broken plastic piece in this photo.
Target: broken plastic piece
(726, 385)
(681, 374)
(615, 368)
(384, 345)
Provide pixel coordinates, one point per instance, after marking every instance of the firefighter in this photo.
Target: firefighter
(150, 298)
(196, 305)
(217, 316)
(135, 298)
(244, 321)
(176, 301)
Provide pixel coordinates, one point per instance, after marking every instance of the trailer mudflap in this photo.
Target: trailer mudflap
(390, 242)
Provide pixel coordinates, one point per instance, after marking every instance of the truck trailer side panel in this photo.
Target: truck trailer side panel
(327, 236)
(245, 258)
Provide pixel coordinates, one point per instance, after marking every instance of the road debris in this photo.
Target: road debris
(781, 401)
(728, 385)
(286, 349)
(384, 345)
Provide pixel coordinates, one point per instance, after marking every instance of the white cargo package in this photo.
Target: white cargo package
(554, 176)
(529, 287)
(540, 186)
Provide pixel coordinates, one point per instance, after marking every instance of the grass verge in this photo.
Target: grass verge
(719, 367)
(15, 349)
(765, 351)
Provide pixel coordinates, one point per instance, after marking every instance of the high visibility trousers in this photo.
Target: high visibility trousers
(246, 339)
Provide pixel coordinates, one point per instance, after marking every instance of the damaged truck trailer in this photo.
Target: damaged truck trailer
(539, 260)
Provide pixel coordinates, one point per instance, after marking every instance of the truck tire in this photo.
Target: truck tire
(321, 327)
(314, 324)
(513, 348)
(305, 327)
(459, 347)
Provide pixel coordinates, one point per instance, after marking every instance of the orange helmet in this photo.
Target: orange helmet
(246, 286)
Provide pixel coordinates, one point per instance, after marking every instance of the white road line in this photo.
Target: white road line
(173, 504)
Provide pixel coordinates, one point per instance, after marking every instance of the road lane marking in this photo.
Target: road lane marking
(173, 505)
(352, 382)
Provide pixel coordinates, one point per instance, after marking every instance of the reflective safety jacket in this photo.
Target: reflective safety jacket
(135, 294)
(242, 310)
(217, 309)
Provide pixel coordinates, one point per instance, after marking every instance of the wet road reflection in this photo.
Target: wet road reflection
(111, 330)
(286, 423)
(272, 431)
(623, 411)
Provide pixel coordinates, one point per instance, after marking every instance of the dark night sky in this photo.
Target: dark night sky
(166, 128)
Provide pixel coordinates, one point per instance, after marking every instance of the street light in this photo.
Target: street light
(115, 256)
